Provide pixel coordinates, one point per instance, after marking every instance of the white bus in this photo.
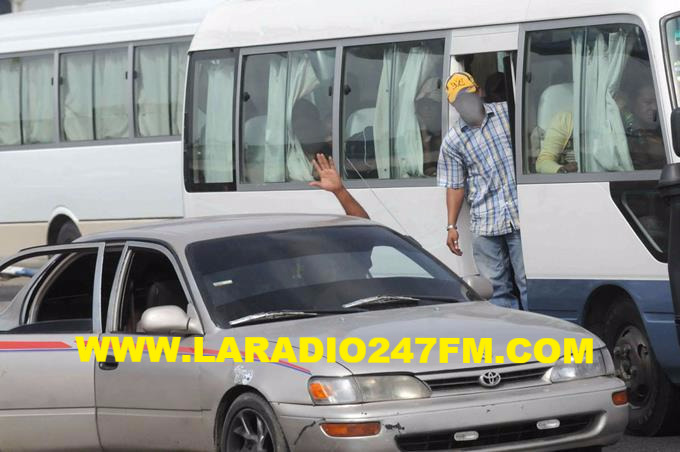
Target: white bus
(90, 117)
(592, 85)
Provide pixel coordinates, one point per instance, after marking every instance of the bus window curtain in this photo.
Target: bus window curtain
(76, 96)
(218, 134)
(152, 90)
(381, 123)
(36, 99)
(110, 94)
(10, 115)
(599, 135)
(283, 152)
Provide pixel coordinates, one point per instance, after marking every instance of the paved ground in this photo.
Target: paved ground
(637, 444)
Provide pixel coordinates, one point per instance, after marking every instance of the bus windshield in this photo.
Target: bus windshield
(673, 42)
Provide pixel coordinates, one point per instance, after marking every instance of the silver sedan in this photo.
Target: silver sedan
(271, 277)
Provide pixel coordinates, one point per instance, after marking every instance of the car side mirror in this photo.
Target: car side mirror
(480, 285)
(675, 130)
(167, 320)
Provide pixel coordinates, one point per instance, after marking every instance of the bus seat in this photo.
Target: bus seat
(359, 120)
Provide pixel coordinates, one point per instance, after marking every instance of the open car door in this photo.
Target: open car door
(48, 297)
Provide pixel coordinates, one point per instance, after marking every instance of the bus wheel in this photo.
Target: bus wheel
(68, 232)
(654, 401)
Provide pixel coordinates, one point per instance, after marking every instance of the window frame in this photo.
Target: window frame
(188, 123)
(524, 30)
(57, 141)
(338, 45)
(120, 279)
(37, 283)
(663, 23)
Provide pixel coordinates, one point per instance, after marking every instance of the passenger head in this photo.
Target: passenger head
(308, 128)
(643, 105)
(465, 95)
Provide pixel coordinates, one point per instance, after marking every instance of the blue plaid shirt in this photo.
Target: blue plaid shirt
(480, 160)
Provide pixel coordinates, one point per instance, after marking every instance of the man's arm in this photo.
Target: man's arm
(454, 201)
(329, 180)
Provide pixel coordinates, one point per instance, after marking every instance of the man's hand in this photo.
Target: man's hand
(452, 242)
(570, 167)
(329, 179)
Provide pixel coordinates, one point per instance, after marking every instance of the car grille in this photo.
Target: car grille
(492, 435)
(470, 379)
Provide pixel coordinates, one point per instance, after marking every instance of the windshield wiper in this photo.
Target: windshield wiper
(272, 315)
(381, 300)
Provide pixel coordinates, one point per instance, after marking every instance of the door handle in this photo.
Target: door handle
(109, 364)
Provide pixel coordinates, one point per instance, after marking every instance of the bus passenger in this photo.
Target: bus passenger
(640, 121)
(476, 160)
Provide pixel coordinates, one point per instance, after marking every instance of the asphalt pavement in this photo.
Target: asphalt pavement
(640, 444)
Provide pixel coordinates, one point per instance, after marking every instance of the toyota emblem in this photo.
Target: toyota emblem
(490, 379)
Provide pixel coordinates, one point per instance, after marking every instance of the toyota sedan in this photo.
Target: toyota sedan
(279, 276)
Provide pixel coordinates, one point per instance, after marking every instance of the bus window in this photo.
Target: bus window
(286, 114)
(10, 99)
(209, 135)
(93, 95)
(589, 102)
(26, 99)
(391, 120)
(159, 82)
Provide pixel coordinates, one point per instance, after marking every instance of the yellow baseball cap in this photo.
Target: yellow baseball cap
(460, 81)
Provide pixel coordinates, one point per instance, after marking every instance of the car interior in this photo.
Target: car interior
(151, 281)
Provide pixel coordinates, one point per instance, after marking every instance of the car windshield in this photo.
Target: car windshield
(317, 270)
(673, 43)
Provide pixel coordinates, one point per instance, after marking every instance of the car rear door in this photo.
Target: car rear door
(46, 391)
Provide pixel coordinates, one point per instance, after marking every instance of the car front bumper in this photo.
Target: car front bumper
(445, 415)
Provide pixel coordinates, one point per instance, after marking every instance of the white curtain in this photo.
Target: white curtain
(76, 96)
(395, 112)
(381, 123)
(110, 94)
(36, 99)
(408, 143)
(159, 88)
(10, 113)
(282, 149)
(599, 135)
(152, 90)
(218, 133)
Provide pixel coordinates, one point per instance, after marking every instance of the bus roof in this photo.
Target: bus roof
(101, 23)
(244, 23)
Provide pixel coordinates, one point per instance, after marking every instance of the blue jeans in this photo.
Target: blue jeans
(498, 258)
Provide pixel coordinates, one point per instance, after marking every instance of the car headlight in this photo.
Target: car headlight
(367, 388)
(602, 365)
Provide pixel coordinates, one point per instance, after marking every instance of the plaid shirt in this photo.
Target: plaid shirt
(480, 160)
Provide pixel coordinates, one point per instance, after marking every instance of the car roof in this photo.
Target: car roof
(179, 233)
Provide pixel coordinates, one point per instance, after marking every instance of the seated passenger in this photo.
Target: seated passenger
(640, 120)
(428, 111)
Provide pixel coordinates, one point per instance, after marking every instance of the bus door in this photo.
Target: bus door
(489, 54)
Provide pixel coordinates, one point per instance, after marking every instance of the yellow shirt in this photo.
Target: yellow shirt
(555, 143)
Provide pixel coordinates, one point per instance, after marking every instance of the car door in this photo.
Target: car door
(46, 391)
(149, 405)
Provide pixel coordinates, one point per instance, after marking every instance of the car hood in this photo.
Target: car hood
(463, 320)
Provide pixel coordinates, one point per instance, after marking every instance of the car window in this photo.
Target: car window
(313, 269)
(151, 281)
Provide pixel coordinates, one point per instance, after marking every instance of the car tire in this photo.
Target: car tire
(251, 422)
(653, 399)
(68, 232)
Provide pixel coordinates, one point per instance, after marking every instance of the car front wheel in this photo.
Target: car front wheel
(251, 426)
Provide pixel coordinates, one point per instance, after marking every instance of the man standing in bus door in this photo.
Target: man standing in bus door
(476, 160)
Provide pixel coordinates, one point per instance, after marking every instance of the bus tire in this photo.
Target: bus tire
(67, 233)
(653, 399)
